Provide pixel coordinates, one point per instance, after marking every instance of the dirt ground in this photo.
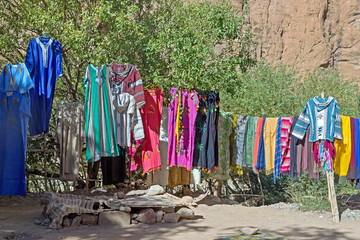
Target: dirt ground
(17, 216)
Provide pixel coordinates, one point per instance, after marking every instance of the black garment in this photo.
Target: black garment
(93, 169)
(114, 168)
(293, 151)
(206, 148)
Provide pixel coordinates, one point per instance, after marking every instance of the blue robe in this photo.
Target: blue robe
(15, 83)
(44, 62)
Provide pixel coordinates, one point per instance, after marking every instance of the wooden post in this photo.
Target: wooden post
(332, 196)
(82, 159)
(218, 187)
(45, 162)
(261, 189)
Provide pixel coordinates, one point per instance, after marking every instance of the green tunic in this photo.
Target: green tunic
(250, 139)
(100, 124)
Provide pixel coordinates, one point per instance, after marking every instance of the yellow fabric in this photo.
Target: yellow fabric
(177, 125)
(269, 142)
(179, 176)
(237, 169)
(343, 148)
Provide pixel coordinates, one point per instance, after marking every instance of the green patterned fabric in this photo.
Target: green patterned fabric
(250, 139)
(224, 132)
(100, 124)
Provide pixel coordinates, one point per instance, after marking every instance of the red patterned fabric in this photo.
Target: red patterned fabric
(127, 75)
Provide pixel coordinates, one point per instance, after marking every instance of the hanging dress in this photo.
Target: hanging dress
(44, 62)
(15, 83)
(70, 134)
(182, 116)
(100, 124)
(151, 116)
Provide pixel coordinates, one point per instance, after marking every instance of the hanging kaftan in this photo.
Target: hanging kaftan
(44, 62)
(70, 134)
(182, 116)
(100, 124)
(15, 83)
(151, 116)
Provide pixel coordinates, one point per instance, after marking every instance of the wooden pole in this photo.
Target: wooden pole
(81, 157)
(332, 197)
(218, 187)
(45, 162)
(261, 189)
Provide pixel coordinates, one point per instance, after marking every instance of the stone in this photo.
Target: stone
(66, 222)
(137, 192)
(210, 200)
(168, 209)
(228, 201)
(186, 213)
(54, 225)
(134, 221)
(249, 230)
(46, 222)
(187, 191)
(37, 222)
(159, 216)
(118, 218)
(120, 195)
(163, 221)
(89, 219)
(325, 38)
(147, 216)
(134, 216)
(155, 190)
(76, 221)
(187, 199)
(125, 209)
(172, 217)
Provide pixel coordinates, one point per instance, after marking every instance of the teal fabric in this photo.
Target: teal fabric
(309, 116)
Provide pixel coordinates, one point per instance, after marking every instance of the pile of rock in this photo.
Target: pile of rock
(163, 215)
(156, 206)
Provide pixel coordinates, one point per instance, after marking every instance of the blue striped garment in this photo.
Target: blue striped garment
(310, 116)
(277, 162)
(260, 164)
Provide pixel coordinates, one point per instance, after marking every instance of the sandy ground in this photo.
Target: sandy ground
(17, 216)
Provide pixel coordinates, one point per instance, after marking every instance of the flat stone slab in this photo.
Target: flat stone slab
(118, 218)
(156, 201)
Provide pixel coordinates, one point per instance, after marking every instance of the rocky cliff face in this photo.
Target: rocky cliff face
(308, 33)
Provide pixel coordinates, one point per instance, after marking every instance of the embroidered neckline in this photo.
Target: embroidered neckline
(326, 102)
(13, 78)
(45, 50)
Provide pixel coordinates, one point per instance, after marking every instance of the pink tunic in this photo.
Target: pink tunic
(181, 138)
(286, 123)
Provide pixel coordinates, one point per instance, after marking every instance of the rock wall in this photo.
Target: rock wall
(308, 33)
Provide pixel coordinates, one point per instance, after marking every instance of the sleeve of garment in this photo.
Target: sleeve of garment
(337, 129)
(59, 65)
(82, 124)
(137, 125)
(301, 124)
(29, 60)
(26, 82)
(138, 89)
(85, 83)
(2, 80)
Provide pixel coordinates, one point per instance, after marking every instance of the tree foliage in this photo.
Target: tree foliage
(268, 91)
(197, 44)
